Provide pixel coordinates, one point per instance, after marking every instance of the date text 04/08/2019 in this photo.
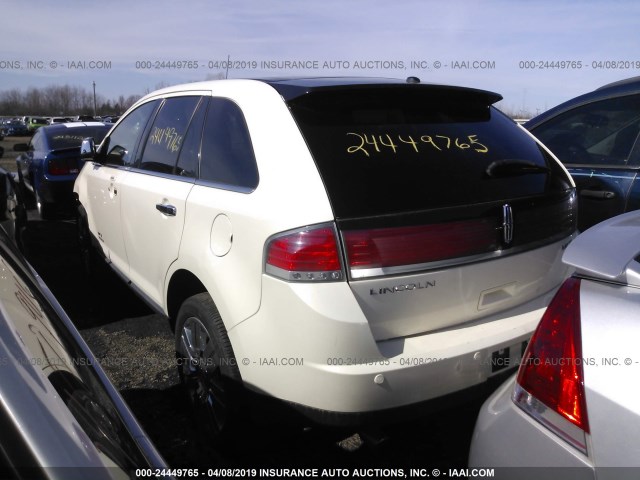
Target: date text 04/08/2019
(314, 472)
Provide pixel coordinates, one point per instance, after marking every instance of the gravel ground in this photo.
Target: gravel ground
(136, 349)
(133, 360)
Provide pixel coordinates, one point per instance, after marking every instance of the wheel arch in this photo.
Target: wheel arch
(183, 284)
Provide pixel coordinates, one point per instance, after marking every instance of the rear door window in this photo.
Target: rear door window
(189, 158)
(388, 150)
(602, 133)
(166, 136)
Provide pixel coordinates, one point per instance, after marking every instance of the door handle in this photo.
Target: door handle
(601, 194)
(168, 210)
(112, 187)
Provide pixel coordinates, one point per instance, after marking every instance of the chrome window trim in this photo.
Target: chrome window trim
(169, 176)
(228, 187)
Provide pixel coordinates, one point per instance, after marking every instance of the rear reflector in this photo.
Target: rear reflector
(551, 377)
(305, 255)
(390, 247)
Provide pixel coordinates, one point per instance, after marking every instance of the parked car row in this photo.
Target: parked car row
(14, 128)
(29, 125)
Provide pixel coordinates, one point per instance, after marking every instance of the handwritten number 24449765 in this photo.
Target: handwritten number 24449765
(369, 144)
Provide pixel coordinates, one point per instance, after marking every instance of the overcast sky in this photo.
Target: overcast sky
(78, 42)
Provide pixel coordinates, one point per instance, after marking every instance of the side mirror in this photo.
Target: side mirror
(87, 149)
(21, 147)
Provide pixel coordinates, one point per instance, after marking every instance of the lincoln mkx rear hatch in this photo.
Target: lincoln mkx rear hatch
(447, 211)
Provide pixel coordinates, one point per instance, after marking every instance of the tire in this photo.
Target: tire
(207, 366)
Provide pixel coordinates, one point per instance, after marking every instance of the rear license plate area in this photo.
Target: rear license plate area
(507, 357)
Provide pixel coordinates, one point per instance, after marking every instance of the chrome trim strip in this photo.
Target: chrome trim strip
(179, 178)
(224, 186)
(169, 176)
(362, 273)
(309, 277)
(507, 224)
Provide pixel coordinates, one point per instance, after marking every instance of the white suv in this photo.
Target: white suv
(347, 245)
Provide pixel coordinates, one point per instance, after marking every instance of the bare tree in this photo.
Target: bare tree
(59, 100)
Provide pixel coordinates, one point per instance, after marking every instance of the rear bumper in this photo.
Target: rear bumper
(313, 347)
(476, 393)
(57, 191)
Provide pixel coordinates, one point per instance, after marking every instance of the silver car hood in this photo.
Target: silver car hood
(609, 250)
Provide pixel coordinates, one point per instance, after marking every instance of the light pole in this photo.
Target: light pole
(94, 100)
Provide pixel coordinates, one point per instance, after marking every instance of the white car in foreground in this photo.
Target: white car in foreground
(574, 402)
(349, 246)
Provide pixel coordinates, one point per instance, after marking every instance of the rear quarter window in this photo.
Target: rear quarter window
(227, 157)
(387, 150)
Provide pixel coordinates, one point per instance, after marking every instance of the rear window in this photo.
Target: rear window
(388, 150)
(73, 136)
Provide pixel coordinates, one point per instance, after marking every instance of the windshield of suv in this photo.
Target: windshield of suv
(385, 150)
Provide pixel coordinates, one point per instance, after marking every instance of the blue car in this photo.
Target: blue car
(15, 129)
(51, 162)
(595, 136)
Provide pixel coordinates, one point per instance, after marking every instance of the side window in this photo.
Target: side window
(167, 134)
(601, 132)
(227, 154)
(120, 145)
(190, 154)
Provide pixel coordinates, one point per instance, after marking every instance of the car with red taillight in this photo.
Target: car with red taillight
(50, 163)
(352, 247)
(573, 402)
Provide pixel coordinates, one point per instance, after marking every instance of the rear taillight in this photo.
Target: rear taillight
(370, 252)
(550, 383)
(308, 255)
(62, 166)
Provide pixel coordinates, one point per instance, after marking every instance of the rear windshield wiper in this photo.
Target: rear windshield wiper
(514, 168)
